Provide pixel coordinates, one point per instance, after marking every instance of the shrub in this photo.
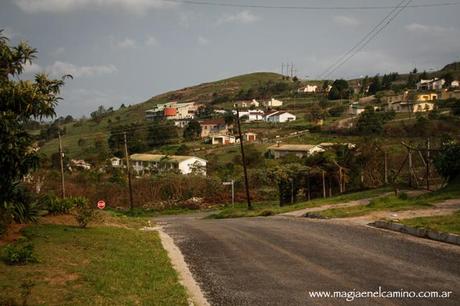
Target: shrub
(55, 205)
(84, 213)
(403, 196)
(19, 253)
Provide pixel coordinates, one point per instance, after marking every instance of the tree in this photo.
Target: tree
(161, 133)
(375, 86)
(21, 101)
(448, 77)
(339, 90)
(192, 131)
(447, 162)
(371, 122)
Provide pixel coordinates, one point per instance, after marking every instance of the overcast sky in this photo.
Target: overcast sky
(126, 51)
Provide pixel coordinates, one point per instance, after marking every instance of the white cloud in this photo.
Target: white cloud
(58, 69)
(243, 17)
(428, 29)
(151, 41)
(62, 6)
(31, 69)
(346, 21)
(203, 41)
(126, 43)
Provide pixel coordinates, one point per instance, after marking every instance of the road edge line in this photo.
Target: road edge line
(185, 276)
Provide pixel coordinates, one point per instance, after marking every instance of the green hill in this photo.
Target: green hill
(91, 130)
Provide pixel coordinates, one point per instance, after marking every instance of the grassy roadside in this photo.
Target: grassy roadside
(272, 208)
(112, 264)
(447, 224)
(393, 203)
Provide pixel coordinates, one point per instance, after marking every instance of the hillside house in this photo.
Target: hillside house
(309, 89)
(455, 84)
(116, 162)
(252, 115)
(273, 103)
(422, 97)
(246, 104)
(147, 163)
(250, 137)
(411, 107)
(172, 111)
(433, 84)
(450, 95)
(214, 127)
(80, 164)
(299, 150)
(279, 117)
(222, 139)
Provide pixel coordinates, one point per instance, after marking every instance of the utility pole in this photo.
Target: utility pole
(282, 69)
(246, 183)
(292, 191)
(61, 157)
(324, 183)
(292, 70)
(385, 162)
(131, 206)
(428, 147)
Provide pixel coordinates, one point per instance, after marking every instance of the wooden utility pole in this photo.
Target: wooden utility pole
(61, 157)
(308, 186)
(427, 162)
(128, 169)
(243, 159)
(324, 183)
(410, 167)
(385, 165)
(340, 180)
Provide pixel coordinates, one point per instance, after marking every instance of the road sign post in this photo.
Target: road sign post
(232, 183)
(101, 204)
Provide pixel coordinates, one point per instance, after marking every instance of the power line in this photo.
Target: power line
(367, 38)
(297, 7)
(325, 73)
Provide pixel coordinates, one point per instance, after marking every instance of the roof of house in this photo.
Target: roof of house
(212, 121)
(292, 147)
(158, 157)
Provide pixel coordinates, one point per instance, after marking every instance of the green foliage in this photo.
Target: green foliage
(371, 122)
(136, 137)
(192, 131)
(84, 212)
(337, 111)
(21, 101)
(55, 205)
(447, 161)
(339, 90)
(19, 253)
(161, 133)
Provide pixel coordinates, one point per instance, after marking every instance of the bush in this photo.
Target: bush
(84, 213)
(403, 196)
(19, 253)
(55, 205)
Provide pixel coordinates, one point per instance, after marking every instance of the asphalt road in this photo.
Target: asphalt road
(279, 260)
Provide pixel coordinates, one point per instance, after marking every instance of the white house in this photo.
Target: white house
(79, 163)
(279, 116)
(222, 139)
(253, 115)
(299, 150)
(433, 84)
(455, 83)
(116, 162)
(145, 163)
(309, 88)
(273, 103)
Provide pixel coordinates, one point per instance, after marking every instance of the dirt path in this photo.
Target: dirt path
(302, 212)
(440, 209)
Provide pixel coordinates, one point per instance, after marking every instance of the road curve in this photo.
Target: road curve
(279, 260)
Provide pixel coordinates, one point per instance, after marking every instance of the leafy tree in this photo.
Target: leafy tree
(371, 122)
(21, 101)
(161, 133)
(339, 90)
(136, 137)
(448, 77)
(375, 86)
(316, 113)
(337, 111)
(192, 131)
(447, 162)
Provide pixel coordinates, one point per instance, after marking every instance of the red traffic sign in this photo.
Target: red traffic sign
(101, 204)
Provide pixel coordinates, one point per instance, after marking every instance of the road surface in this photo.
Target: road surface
(279, 260)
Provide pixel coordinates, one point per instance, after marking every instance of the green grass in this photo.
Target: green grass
(272, 208)
(393, 203)
(95, 266)
(447, 224)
